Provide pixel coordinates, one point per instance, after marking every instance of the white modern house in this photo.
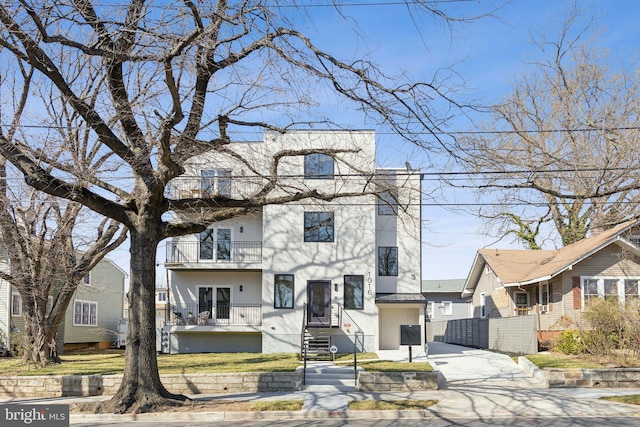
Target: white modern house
(343, 272)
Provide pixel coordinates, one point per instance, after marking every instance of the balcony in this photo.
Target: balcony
(217, 315)
(197, 187)
(221, 252)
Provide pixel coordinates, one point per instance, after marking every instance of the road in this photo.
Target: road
(431, 422)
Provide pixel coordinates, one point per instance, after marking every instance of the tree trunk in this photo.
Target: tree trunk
(141, 388)
(40, 347)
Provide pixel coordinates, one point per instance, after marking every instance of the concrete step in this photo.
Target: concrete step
(330, 381)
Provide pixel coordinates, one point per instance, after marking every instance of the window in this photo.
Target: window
(318, 166)
(387, 261)
(430, 306)
(610, 288)
(318, 226)
(631, 295)
(215, 243)
(16, 304)
(353, 292)
(447, 308)
(544, 298)
(483, 305)
(161, 297)
(85, 313)
(283, 291)
(387, 203)
(86, 279)
(216, 182)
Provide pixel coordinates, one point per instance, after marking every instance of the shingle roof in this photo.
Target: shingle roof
(528, 266)
(446, 285)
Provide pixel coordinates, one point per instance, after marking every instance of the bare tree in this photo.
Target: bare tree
(567, 151)
(182, 79)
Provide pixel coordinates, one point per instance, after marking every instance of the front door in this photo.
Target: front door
(223, 303)
(319, 302)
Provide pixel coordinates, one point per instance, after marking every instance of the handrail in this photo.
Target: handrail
(357, 332)
(303, 348)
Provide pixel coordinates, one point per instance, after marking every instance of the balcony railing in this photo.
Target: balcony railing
(218, 252)
(196, 187)
(221, 314)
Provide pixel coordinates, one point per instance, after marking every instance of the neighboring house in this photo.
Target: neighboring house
(348, 270)
(162, 301)
(445, 300)
(555, 284)
(92, 317)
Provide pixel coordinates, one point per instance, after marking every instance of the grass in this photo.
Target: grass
(633, 399)
(277, 405)
(390, 405)
(106, 362)
(561, 361)
(348, 357)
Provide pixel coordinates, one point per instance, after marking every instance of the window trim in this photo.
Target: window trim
(275, 292)
(344, 292)
(387, 272)
(86, 279)
(213, 233)
(315, 173)
(387, 203)
(14, 312)
(447, 308)
(600, 287)
(308, 237)
(214, 178)
(90, 317)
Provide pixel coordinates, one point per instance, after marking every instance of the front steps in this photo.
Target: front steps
(325, 376)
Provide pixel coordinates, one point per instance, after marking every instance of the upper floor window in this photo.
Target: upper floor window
(215, 243)
(283, 291)
(161, 296)
(387, 203)
(86, 279)
(216, 182)
(387, 261)
(318, 227)
(353, 292)
(318, 166)
(85, 313)
(447, 308)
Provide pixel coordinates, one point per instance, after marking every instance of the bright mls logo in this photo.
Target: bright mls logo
(34, 415)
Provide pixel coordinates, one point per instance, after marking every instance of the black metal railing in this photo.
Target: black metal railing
(221, 314)
(218, 252)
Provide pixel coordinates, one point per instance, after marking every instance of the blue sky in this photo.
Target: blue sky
(487, 54)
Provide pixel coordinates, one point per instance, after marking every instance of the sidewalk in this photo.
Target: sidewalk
(481, 384)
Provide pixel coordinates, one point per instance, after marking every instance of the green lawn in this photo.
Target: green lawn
(105, 362)
(561, 361)
(633, 399)
(390, 405)
(387, 366)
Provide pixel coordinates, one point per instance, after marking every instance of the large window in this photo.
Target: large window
(624, 290)
(318, 226)
(353, 292)
(387, 203)
(85, 313)
(16, 304)
(216, 182)
(283, 291)
(215, 243)
(387, 261)
(318, 166)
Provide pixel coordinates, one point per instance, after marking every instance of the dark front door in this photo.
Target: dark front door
(319, 304)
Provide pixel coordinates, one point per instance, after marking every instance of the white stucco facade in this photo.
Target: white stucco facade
(356, 270)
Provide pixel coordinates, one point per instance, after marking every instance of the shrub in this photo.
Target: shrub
(605, 320)
(570, 342)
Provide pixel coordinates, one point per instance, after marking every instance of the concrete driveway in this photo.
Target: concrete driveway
(464, 366)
